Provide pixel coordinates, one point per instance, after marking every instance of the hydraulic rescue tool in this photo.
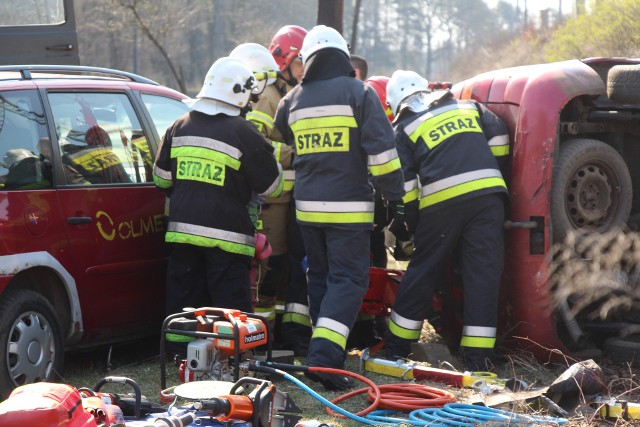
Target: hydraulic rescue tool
(216, 340)
(411, 370)
(250, 402)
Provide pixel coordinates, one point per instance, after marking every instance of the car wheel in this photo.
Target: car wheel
(591, 188)
(623, 84)
(31, 344)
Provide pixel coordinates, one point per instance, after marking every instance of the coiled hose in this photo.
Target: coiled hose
(429, 406)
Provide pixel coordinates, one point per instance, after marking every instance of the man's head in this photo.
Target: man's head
(229, 82)
(322, 37)
(379, 84)
(285, 48)
(360, 65)
(260, 61)
(403, 84)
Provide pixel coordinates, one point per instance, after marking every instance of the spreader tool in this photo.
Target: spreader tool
(411, 370)
(264, 406)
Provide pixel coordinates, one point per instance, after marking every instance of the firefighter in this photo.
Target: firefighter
(340, 132)
(292, 307)
(455, 201)
(211, 161)
(273, 217)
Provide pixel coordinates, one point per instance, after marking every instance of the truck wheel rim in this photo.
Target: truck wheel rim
(589, 197)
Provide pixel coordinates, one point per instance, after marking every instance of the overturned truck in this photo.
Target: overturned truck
(574, 182)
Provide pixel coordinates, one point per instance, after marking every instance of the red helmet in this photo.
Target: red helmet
(286, 45)
(379, 84)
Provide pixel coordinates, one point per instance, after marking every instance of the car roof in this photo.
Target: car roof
(84, 77)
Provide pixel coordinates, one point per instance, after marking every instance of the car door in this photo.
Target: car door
(112, 211)
(38, 32)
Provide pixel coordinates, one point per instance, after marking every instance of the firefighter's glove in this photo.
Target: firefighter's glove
(398, 224)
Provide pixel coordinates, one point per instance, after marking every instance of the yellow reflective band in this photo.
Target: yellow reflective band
(500, 150)
(326, 140)
(95, 159)
(399, 331)
(411, 196)
(477, 342)
(289, 179)
(438, 128)
(385, 168)
(335, 217)
(298, 318)
(268, 312)
(277, 150)
(260, 118)
(460, 189)
(330, 335)
(205, 153)
(236, 248)
(275, 189)
(201, 170)
(324, 122)
(161, 182)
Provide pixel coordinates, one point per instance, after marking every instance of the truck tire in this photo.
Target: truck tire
(31, 344)
(591, 188)
(623, 84)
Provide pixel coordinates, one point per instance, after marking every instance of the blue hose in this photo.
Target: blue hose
(452, 414)
(326, 402)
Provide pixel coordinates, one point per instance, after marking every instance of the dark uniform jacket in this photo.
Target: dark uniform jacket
(211, 164)
(340, 132)
(450, 152)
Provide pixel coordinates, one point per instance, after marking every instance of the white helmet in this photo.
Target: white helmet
(401, 85)
(228, 80)
(260, 60)
(322, 37)
(15, 155)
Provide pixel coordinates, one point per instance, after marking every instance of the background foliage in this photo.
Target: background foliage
(175, 42)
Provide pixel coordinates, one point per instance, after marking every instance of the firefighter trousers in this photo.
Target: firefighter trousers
(207, 277)
(296, 323)
(338, 278)
(474, 227)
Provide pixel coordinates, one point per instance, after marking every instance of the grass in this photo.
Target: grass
(140, 362)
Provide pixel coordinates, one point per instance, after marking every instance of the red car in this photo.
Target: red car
(574, 131)
(82, 254)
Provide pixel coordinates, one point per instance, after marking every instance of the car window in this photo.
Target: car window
(101, 138)
(164, 111)
(25, 146)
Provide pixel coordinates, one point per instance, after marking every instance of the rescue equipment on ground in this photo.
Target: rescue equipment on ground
(218, 338)
(383, 286)
(413, 371)
(45, 404)
(612, 408)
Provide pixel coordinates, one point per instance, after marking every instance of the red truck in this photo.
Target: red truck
(574, 128)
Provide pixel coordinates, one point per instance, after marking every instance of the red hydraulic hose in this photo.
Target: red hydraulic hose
(400, 397)
(374, 395)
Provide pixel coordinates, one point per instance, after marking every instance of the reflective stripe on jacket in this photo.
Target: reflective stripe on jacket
(447, 148)
(340, 133)
(211, 165)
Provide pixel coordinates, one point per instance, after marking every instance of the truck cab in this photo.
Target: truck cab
(38, 32)
(574, 173)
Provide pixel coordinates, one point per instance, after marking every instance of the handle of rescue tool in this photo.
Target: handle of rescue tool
(124, 380)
